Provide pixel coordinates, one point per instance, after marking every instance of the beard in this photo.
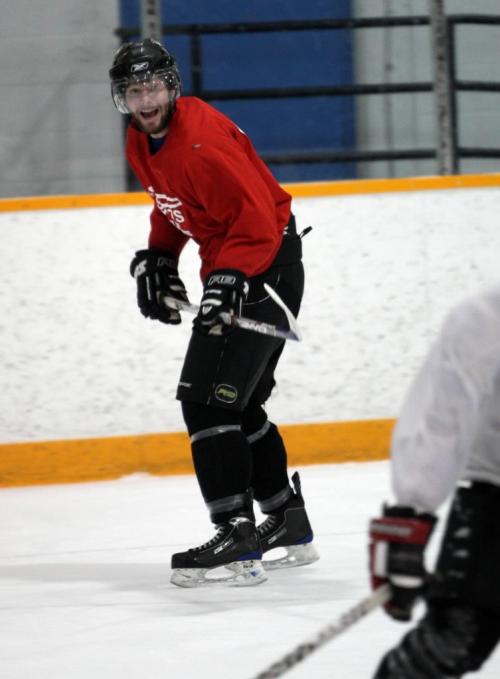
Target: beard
(157, 124)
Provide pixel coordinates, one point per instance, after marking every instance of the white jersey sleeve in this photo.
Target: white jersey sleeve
(439, 433)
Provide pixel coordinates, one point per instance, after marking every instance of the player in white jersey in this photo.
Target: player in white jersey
(446, 441)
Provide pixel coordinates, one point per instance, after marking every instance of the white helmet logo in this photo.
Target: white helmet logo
(142, 66)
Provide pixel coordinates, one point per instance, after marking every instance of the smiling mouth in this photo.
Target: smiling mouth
(148, 115)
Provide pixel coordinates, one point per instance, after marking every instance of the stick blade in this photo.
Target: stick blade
(292, 321)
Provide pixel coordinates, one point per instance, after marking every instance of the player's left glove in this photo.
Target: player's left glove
(397, 543)
(223, 296)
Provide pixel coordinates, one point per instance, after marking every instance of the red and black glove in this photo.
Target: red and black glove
(223, 295)
(397, 543)
(156, 275)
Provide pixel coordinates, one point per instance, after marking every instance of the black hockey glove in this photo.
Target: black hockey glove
(156, 275)
(397, 543)
(223, 296)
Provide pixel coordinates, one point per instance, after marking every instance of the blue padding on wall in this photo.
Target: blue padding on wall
(276, 59)
(266, 60)
(288, 125)
(200, 11)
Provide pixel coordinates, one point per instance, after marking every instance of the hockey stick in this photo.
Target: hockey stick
(293, 333)
(346, 620)
(292, 321)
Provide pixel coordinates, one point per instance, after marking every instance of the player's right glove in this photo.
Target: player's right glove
(156, 275)
(397, 543)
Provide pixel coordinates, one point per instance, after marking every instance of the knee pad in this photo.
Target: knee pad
(448, 642)
(469, 559)
(466, 634)
(254, 421)
(200, 417)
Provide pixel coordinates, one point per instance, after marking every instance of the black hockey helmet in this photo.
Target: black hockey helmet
(139, 62)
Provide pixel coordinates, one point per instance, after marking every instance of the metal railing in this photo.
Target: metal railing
(457, 85)
(197, 31)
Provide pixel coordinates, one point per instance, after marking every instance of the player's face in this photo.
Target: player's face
(149, 103)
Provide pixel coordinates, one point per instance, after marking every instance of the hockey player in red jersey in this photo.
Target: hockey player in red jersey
(208, 183)
(446, 443)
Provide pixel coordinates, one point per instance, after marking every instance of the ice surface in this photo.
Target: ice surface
(85, 592)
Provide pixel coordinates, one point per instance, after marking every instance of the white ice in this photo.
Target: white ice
(85, 592)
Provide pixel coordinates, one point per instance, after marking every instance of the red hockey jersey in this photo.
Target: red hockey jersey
(209, 184)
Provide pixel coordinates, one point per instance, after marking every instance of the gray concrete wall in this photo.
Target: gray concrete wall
(403, 54)
(59, 131)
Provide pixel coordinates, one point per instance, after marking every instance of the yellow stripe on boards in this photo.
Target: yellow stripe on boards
(74, 202)
(302, 190)
(361, 186)
(97, 459)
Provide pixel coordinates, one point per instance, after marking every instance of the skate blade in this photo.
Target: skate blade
(244, 574)
(296, 555)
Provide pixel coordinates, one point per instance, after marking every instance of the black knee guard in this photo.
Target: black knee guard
(198, 417)
(469, 560)
(269, 461)
(254, 420)
(221, 457)
(449, 641)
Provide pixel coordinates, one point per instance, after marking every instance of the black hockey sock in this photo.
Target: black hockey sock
(223, 468)
(222, 459)
(269, 462)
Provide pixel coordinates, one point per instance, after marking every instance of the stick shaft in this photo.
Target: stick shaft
(244, 323)
(346, 620)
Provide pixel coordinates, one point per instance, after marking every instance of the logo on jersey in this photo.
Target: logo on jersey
(171, 207)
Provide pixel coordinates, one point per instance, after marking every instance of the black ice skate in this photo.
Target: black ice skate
(288, 527)
(235, 546)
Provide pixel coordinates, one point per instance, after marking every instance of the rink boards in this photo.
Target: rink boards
(88, 386)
